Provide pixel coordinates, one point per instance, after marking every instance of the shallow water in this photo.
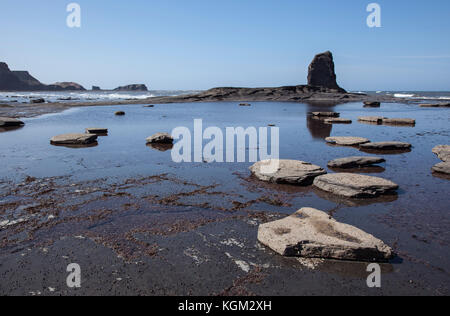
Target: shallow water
(416, 221)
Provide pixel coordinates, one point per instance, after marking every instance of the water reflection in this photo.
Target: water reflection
(317, 127)
(161, 147)
(368, 169)
(10, 129)
(94, 144)
(354, 202)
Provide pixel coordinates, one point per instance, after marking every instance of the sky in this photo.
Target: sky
(200, 44)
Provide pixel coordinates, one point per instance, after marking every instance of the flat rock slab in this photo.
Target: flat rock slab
(372, 104)
(338, 121)
(443, 152)
(286, 171)
(355, 162)
(160, 138)
(74, 139)
(371, 119)
(325, 114)
(94, 130)
(399, 121)
(386, 146)
(10, 122)
(443, 167)
(347, 141)
(354, 185)
(311, 233)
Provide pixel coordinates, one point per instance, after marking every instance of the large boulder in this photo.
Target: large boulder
(74, 139)
(443, 167)
(354, 185)
(386, 146)
(321, 72)
(355, 162)
(311, 233)
(288, 171)
(10, 122)
(347, 140)
(442, 151)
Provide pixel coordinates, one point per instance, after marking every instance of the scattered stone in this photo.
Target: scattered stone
(338, 121)
(245, 104)
(399, 121)
(386, 146)
(443, 167)
(371, 119)
(372, 104)
(355, 162)
(74, 139)
(160, 138)
(36, 101)
(347, 141)
(442, 151)
(311, 233)
(119, 113)
(288, 171)
(326, 114)
(97, 131)
(10, 122)
(354, 185)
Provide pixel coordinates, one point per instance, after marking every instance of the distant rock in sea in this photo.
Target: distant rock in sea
(24, 81)
(96, 88)
(132, 87)
(321, 72)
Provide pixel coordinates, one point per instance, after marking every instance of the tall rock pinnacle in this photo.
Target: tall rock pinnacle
(321, 72)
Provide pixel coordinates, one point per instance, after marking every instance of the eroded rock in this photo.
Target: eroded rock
(354, 185)
(371, 119)
(443, 167)
(355, 162)
(160, 138)
(442, 151)
(97, 131)
(347, 140)
(311, 233)
(10, 122)
(74, 139)
(399, 121)
(286, 171)
(386, 146)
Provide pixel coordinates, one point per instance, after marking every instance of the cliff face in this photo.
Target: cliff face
(321, 72)
(23, 81)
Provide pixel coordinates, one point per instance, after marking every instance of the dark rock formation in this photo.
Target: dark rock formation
(132, 87)
(321, 72)
(96, 88)
(32, 82)
(66, 86)
(8, 81)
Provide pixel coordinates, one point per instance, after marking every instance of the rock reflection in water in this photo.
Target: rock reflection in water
(161, 147)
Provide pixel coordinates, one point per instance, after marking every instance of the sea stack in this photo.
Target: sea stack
(321, 72)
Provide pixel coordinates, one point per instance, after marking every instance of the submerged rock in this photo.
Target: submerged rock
(326, 114)
(442, 151)
(288, 171)
(94, 130)
(74, 139)
(399, 121)
(443, 167)
(355, 162)
(354, 185)
(10, 122)
(372, 104)
(386, 146)
(347, 141)
(160, 138)
(338, 121)
(311, 233)
(371, 119)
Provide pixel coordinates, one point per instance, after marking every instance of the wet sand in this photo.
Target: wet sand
(137, 223)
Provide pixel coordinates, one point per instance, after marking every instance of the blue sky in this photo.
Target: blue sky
(199, 44)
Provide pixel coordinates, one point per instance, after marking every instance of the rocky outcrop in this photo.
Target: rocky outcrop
(66, 86)
(28, 79)
(354, 185)
(311, 233)
(286, 171)
(355, 162)
(132, 87)
(96, 88)
(347, 140)
(321, 72)
(160, 138)
(9, 81)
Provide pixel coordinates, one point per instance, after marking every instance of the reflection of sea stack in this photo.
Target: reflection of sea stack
(321, 72)
(318, 128)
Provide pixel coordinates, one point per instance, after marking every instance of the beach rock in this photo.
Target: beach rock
(288, 172)
(10, 122)
(311, 233)
(347, 141)
(94, 130)
(399, 121)
(371, 119)
(321, 72)
(372, 104)
(119, 113)
(338, 121)
(354, 185)
(132, 87)
(73, 139)
(325, 114)
(160, 138)
(37, 101)
(443, 167)
(442, 151)
(386, 146)
(355, 162)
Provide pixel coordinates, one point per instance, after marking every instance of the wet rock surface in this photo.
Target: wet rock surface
(74, 139)
(287, 171)
(372, 104)
(311, 233)
(371, 119)
(347, 140)
(355, 162)
(338, 121)
(160, 138)
(10, 122)
(443, 167)
(96, 130)
(386, 146)
(442, 151)
(325, 114)
(354, 185)
(399, 121)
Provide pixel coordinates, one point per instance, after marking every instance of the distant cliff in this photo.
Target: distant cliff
(23, 81)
